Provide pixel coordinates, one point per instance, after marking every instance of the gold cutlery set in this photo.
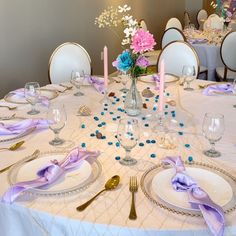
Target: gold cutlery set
(112, 184)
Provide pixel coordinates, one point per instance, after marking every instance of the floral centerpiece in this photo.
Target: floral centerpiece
(135, 43)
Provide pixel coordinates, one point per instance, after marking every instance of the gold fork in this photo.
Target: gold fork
(133, 187)
(9, 108)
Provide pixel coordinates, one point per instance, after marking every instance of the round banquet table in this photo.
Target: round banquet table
(108, 214)
(209, 56)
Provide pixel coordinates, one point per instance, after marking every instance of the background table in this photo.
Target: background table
(108, 215)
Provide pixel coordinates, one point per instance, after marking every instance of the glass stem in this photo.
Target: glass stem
(127, 154)
(33, 107)
(56, 132)
(188, 85)
(212, 146)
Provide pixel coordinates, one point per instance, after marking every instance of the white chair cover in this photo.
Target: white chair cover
(228, 55)
(143, 25)
(201, 18)
(174, 22)
(170, 35)
(213, 22)
(66, 58)
(176, 55)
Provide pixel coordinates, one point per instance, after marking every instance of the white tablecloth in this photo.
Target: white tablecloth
(209, 56)
(108, 215)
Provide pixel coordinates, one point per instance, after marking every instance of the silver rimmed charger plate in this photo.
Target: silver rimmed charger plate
(50, 94)
(73, 182)
(146, 184)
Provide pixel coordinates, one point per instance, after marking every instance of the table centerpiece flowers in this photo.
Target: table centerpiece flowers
(132, 60)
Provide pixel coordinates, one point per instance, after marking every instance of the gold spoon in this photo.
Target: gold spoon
(111, 184)
(9, 108)
(14, 146)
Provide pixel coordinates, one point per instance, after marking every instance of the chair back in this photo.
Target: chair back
(213, 22)
(170, 35)
(201, 18)
(66, 58)
(228, 51)
(186, 19)
(176, 55)
(143, 25)
(174, 22)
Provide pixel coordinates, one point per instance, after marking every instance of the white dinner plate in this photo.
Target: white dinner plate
(71, 179)
(216, 187)
(149, 78)
(50, 94)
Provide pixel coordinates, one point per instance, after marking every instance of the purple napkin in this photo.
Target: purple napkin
(198, 198)
(22, 126)
(50, 173)
(197, 40)
(20, 94)
(98, 84)
(217, 89)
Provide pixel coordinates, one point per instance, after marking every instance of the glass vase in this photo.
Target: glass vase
(133, 101)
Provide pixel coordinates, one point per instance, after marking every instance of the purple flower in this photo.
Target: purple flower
(142, 62)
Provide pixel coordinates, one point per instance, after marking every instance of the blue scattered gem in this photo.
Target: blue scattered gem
(180, 133)
(102, 113)
(117, 158)
(190, 158)
(143, 118)
(99, 125)
(105, 104)
(181, 124)
(92, 135)
(83, 145)
(111, 112)
(168, 94)
(166, 113)
(153, 155)
(141, 144)
(166, 106)
(103, 123)
(83, 126)
(153, 141)
(96, 118)
(117, 100)
(113, 103)
(118, 117)
(146, 99)
(105, 109)
(187, 145)
(110, 143)
(148, 141)
(114, 118)
(117, 144)
(103, 137)
(146, 125)
(154, 108)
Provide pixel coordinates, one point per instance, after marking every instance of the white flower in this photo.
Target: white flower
(129, 31)
(125, 41)
(132, 22)
(125, 8)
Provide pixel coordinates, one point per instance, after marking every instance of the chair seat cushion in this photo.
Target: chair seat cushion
(231, 75)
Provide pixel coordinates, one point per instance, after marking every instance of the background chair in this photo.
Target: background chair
(228, 56)
(213, 22)
(170, 35)
(201, 18)
(187, 20)
(142, 24)
(174, 22)
(176, 55)
(66, 58)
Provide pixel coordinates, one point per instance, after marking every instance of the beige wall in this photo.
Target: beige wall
(30, 30)
(193, 6)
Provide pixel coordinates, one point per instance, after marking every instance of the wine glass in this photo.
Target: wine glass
(32, 93)
(213, 129)
(128, 136)
(234, 90)
(188, 74)
(77, 80)
(57, 118)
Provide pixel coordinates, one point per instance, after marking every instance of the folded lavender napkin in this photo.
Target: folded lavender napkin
(50, 173)
(198, 198)
(217, 89)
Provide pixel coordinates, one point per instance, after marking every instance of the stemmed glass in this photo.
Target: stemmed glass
(77, 80)
(128, 135)
(57, 118)
(213, 129)
(188, 74)
(32, 93)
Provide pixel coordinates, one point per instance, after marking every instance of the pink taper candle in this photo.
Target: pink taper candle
(105, 59)
(161, 88)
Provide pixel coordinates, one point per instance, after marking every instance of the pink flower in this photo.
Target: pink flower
(142, 41)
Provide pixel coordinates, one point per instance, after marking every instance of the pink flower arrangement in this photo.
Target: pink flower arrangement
(142, 42)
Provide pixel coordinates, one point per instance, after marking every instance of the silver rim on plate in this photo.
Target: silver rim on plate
(147, 177)
(95, 173)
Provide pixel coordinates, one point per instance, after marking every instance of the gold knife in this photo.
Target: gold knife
(32, 157)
